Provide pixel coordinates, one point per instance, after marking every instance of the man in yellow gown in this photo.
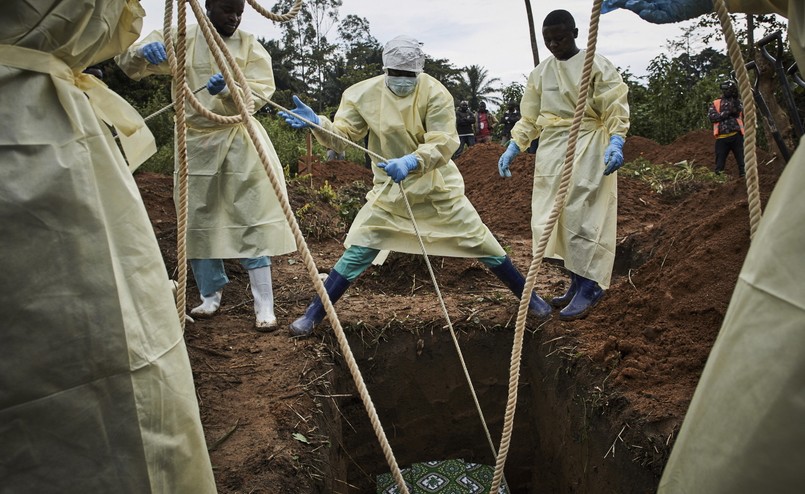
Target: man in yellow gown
(96, 392)
(584, 235)
(233, 212)
(408, 115)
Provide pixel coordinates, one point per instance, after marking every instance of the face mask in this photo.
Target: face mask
(401, 86)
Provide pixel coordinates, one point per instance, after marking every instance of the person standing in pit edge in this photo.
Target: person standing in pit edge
(743, 432)
(410, 115)
(584, 236)
(726, 113)
(233, 212)
(485, 123)
(465, 125)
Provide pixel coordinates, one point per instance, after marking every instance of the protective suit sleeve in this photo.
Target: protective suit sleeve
(349, 124)
(136, 66)
(610, 97)
(441, 136)
(526, 129)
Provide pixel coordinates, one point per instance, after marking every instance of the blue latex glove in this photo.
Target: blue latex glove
(303, 111)
(154, 52)
(399, 168)
(216, 84)
(661, 11)
(613, 156)
(506, 158)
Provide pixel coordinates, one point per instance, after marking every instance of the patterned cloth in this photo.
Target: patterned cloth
(442, 477)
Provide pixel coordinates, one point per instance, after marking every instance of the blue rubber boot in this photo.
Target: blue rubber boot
(336, 285)
(514, 281)
(565, 299)
(587, 296)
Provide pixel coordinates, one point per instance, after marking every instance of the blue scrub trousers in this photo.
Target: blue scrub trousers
(211, 277)
(356, 259)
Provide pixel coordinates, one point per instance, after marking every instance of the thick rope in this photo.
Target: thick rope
(380, 159)
(293, 12)
(750, 148)
(245, 108)
(558, 206)
(177, 64)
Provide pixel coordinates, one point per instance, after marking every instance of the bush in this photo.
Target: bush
(290, 144)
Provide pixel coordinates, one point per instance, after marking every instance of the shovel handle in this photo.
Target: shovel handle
(793, 71)
(775, 36)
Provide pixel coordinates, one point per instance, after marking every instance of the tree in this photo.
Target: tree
(442, 70)
(305, 42)
(475, 87)
(362, 54)
(758, 27)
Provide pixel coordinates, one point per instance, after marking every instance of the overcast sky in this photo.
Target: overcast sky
(490, 33)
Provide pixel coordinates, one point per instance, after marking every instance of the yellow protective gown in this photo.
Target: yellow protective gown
(233, 211)
(96, 391)
(744, 432)
(585, 233)
(422, 123)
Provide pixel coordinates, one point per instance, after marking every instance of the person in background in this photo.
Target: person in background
(743, 432)
(726, 113)
(484, 123)
(409, 115)
(584, 236)
(96, 389)
(509, 118)
(233, 212)
(465, 126)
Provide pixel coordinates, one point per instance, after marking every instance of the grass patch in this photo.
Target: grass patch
(671, 179)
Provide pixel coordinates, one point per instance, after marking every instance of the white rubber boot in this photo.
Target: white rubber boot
(209, 305)
(263, 293)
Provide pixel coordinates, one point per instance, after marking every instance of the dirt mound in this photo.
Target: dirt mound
(640, 353)
(696, 147)
(677, 263)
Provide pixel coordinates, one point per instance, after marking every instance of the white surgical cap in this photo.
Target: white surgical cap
(404, 53)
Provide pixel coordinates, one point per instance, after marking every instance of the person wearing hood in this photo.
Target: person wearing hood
(726, 114)
(410, 120)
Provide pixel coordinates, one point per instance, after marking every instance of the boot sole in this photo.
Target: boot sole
(202, 315)
(266, 329)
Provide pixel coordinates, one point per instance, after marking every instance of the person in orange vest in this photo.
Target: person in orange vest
(726, 113)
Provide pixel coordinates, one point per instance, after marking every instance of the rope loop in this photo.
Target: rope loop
(293, 12)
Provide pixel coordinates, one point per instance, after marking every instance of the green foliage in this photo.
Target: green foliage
(475, 86)
(512, 93)
(350, 200)
(667, 179)
(327, 192)
(443, 71)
